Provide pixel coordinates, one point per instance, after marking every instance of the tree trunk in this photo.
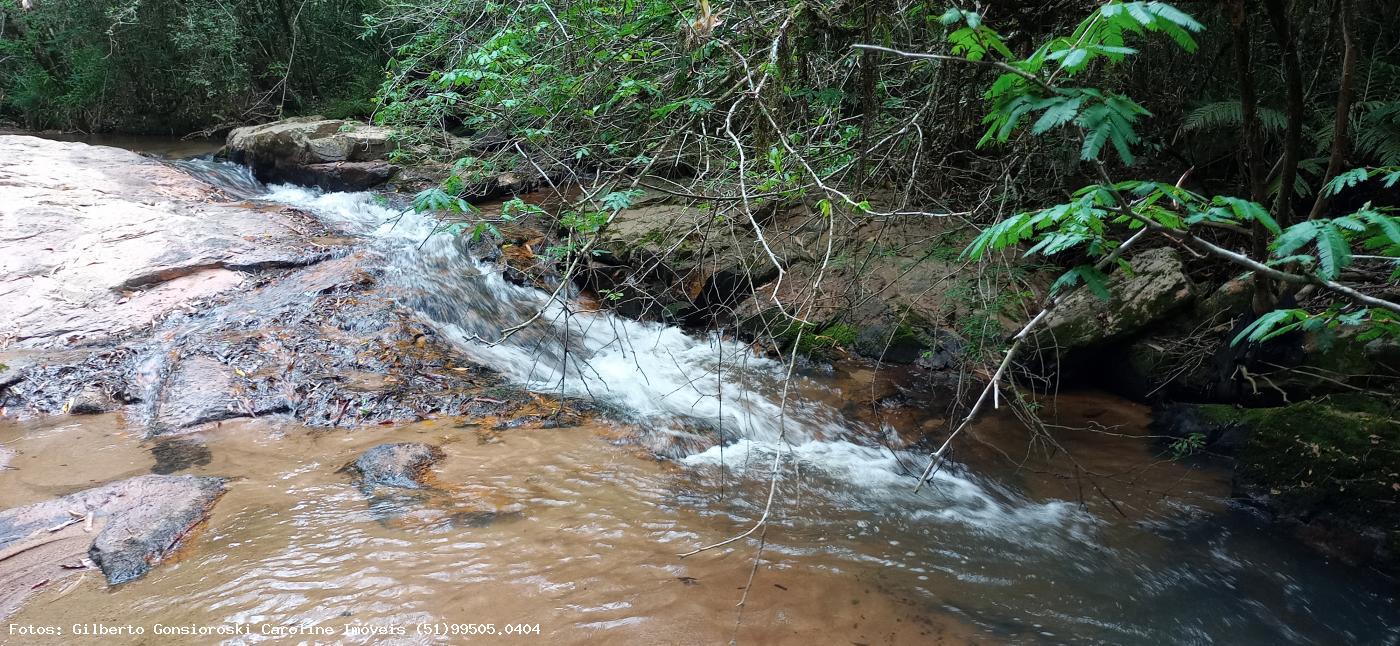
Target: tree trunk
(1263, 299)
(1293, 80)
(1249, 100)
(868, 81)
(1342, 120)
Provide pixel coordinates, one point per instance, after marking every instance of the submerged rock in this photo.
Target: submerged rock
(178, 453)
(404, 465)
(332, 154)
(135, 524)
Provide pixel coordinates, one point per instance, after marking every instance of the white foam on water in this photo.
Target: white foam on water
(684, 388)
(879, 474)
(667, 379)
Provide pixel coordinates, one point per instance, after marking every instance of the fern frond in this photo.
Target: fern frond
(1378, 132)
(1229, 114)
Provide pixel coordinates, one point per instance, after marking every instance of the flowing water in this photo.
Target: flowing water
(564, 529)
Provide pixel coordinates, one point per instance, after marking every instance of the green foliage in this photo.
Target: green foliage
(1189, 445)
(1094, 279)
(1378, 132)
(1332, 240)
(1104, 116)
(1318, 249)
(1228, 115)
(163, 66)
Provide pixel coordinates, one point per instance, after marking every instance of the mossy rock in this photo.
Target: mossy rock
(1157, 287)
(819, 343)
(1329, 466)
(1337, 454)
(903, 344)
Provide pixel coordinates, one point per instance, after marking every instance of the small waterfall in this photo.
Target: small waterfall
(233, 179)
(684, 387)
(706, 400)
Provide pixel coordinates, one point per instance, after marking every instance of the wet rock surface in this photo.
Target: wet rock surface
(124, 528)
(297, 322)
(332, 154)
(95, 241)
(403, 465)
(91, 400)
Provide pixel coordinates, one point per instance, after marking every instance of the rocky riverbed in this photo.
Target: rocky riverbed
(127, 285)
(321, 401)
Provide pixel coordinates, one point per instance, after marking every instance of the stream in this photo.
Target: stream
(1008, 545)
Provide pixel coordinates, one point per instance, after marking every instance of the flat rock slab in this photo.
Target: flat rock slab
(198, 391)
(135, 524)
(402, 466)
(97, 240)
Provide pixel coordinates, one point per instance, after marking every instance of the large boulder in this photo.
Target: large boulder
(333, 154)
(667, 260)
(124, 528)
(1156, 287)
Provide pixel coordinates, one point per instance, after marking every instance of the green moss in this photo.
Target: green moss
(840, 334)
(1339, 454)
(815, 342)
(1222, 413)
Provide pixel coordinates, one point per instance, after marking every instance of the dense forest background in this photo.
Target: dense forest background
(871, 109)
(609, 82)
(164, 67)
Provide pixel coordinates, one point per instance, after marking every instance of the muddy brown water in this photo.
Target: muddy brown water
(584, 545)
(1094, 537)
(584, 537)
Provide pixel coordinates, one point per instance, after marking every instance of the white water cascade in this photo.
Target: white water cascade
(706, 400)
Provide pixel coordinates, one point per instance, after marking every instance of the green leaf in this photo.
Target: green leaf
(1094, 279)
(1333, 252)
(619, 200)
(1061, 109)
(1344, 181)
(1270, 325)
(1295, 237)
